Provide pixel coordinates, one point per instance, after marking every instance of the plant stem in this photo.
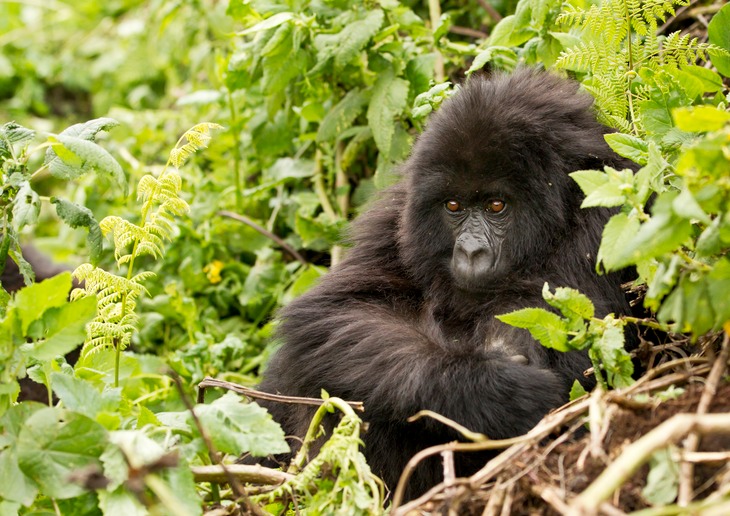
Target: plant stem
(434, 11)
(236, 152)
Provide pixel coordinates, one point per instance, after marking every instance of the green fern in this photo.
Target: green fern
(619, 41)
(117, 295)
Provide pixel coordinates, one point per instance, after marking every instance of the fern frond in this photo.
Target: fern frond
(197, 138)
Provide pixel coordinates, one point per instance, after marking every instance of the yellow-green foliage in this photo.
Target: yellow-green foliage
(619, 39)
(117, 294)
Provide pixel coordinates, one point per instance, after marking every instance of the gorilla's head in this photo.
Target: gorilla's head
(488, 187)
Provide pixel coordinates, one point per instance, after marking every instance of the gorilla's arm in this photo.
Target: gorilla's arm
(367, 353)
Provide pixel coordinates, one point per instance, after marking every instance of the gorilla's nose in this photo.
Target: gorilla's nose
(472, 257)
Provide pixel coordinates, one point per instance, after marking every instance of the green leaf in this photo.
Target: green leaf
(268, 23)
(26, 206)
(32, 301)
(390, 97)
(347, 44)
(546, 327)
(577, 391)
(700, 118)
(342, 115)
(718, 285)
(237, 427)
(509, 32)
(662, 482)
(709, 80)
(63, 328)
(601, 189)
(76, 156)
(13, 134)
(14, 484)
(686, 206)
(628, 146)
(76, 216)
(613, 357)
(573, 304)
(719, 34)
(662, 234)
(53, 444)
(78, 395)
(288, 168)
(620, 229)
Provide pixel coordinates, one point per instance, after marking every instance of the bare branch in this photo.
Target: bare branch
(254, 394)
(268, 234)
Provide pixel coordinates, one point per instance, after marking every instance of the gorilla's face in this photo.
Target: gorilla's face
(479, 226)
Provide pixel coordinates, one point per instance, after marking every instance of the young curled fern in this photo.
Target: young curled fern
(117, 295)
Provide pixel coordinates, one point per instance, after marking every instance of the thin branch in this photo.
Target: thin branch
(268, 234)
(687, 469)
(254, 394)
(255, 474)
(491, 11)
(466, 31)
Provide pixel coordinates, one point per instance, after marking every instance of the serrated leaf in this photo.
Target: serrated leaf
(26, 206)
(89, 130)
(341, 117)
(63, 328)
(54, 443)
(614, 358)
(347, 44)
(12, 133)
(546, 327)
(76, 156)
(77, 395)
(662, 234)
(237, 427)
(620, 229)
(390, 97)
(573, 304)
(589, 180)
(629, 146)
(76, 216)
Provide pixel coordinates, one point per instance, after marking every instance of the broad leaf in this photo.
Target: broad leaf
(237, 427)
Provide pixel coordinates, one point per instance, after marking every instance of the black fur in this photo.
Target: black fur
(388, 327)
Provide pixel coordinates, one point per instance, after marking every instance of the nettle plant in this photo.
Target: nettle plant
(673, 222)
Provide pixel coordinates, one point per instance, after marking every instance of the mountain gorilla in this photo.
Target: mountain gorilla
(485, 214)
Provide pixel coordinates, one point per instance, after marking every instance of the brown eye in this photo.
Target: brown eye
(453, 206)
(495, 206)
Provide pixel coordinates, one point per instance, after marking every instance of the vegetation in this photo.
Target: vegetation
(310, 106)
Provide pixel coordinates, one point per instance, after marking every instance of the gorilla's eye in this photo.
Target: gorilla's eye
(453, 206)
(496, 205)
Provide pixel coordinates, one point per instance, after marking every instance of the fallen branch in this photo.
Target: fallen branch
(244, 473)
